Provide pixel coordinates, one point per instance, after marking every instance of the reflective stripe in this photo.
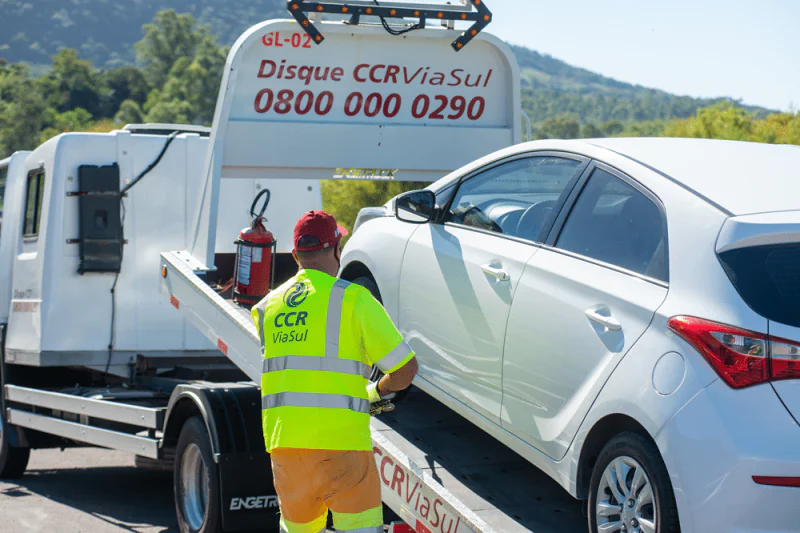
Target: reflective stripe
(376, 529)
(394, 357)
(334, 320)
(302, 362)
(312, 399)
(261, 307)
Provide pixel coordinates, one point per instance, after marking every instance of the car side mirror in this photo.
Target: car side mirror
(416, 207)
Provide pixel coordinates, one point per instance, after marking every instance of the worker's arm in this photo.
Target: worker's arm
(384, 347)
(398, 380)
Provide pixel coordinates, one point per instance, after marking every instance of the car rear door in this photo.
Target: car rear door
(582, 302)
(460, 273)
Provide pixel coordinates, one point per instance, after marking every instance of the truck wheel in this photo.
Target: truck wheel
(368, 283)
(13, 461)
(630, 489)
(196, 481)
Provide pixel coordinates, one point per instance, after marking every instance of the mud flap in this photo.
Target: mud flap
(248, 496)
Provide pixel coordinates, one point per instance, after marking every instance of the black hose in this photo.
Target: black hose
(152, 165)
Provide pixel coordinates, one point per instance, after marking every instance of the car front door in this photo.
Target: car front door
(460, 272)
(582, 302)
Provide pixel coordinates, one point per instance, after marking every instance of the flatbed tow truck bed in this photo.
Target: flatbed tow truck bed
(438, 471)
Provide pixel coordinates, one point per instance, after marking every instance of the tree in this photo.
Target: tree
(129, 113)
(124, 83)
(75, 83)
(167, 39)
(561, 127)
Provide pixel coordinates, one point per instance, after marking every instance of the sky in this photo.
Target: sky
(743, 49)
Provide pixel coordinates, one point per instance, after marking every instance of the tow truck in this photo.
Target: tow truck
(117, 328)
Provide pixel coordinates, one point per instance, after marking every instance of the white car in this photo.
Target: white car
(621, 312)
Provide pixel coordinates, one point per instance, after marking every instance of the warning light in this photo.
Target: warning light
(344, 9)
(320, 8)
(440, 14)
(295, 7)
(486, 18)
(416, 13)
(318, 38)
(163, 271)
(463, 16)
(459, 45)
(305, 23)
(369, 11)
(474, 33)
(393, 12)
(477, 2)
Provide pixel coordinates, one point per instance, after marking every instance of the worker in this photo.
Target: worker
(320, 337)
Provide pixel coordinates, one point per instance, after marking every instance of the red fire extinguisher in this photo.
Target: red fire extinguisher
(254, 258)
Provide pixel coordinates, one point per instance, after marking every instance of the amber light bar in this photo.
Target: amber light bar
(480, 18)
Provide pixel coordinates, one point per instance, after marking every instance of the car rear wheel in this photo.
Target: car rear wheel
(13, 460)
(630, 490)
(196, 481)
(368, 283)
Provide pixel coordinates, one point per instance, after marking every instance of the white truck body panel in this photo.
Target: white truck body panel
(12, 200)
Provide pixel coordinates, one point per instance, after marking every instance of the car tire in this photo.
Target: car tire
(368, 283)
(646, 494)
(196, 481)
(13, 460)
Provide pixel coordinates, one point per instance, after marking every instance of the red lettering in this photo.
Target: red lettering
(323, 76)
(302, 107)
(278, 39)
(420, 106)
(391, 73)
(410, 496)
(425, 508)
(405, 75)
(337, 73)
(373, 104)
(456, 77)
(356, 73)
(307, 42)
(437, 114)
(372, 73)
(267, 39)
(304, 74)
(264, 63)
(397, 480)
(291, 72)
(459, 105)
(476, 107)
(296, 42)
(384, 462)
(489, 75)
(323, 109)
(435, 521)
(391, 106)
(352, 106)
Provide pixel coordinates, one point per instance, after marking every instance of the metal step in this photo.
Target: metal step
(116, 440)
(145, 417)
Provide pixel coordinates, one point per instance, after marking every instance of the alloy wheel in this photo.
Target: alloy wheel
(626, 502)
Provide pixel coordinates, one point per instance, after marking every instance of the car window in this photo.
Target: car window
(615, 223)
(515, 198)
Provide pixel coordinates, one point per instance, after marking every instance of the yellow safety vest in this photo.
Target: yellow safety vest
(320, 336)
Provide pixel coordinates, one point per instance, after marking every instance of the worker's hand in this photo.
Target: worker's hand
(373, 394)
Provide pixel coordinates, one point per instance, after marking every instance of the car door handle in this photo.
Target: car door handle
(607, 321)
(495, 272)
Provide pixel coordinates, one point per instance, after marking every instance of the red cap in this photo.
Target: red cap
(321, 225)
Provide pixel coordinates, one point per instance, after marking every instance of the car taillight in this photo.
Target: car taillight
(740, 357)
(785, 358)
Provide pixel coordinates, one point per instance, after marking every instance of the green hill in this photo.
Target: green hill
(577, 102)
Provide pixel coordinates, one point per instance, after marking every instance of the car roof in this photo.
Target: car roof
(741, 177)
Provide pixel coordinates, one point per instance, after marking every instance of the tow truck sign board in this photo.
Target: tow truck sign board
(362, 100)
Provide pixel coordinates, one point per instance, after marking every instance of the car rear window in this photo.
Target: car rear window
(768, 279)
